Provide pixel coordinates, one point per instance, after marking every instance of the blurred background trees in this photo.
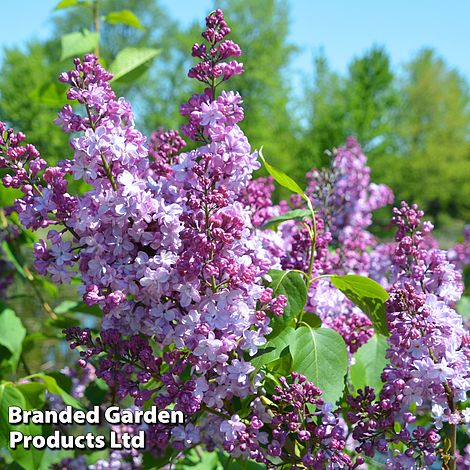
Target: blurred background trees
(413, 121)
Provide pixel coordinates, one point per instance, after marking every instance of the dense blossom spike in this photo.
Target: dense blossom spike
(428, 351)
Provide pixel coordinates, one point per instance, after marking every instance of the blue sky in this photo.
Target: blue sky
(343, 28)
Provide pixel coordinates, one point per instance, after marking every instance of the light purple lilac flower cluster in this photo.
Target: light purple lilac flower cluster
(297, 416)
(346, 198)
(46, 201)
(424, 323)
(429, 352)
(214, 53)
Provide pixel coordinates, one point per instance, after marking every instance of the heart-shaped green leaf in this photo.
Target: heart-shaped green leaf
(369, 362)
(132, 60)
(320, 354)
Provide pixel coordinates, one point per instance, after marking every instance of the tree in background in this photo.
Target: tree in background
(24, 78)
(325, 110)
(414, 128)
(371, 101)
(361, 104)
(432, 166)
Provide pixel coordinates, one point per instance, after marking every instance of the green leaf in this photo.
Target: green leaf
(369, 363)
(96, 392)
(8, 252)
(281, 366)
(366, 294)
(284, 180)
(124, 17)
(65, 306)
(132, 59)
(63, 381)
(273, 349)
(53, 387)
(34, 393)
(297, 214)
(8, 196)
(78, 43)
(463, 306)
(226, 461)
(202, 460)
(290, 284)
(94, 457)
(312, 319)
(397, 427)
(55, 457)
(12, 334)
(66, 310)
(320, 354)
(150, 462)
(66, 4)
(29, 459)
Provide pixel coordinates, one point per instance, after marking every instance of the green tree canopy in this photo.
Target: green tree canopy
(25, 89)
(433, 137)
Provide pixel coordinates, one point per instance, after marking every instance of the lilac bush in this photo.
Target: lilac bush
(252, 318)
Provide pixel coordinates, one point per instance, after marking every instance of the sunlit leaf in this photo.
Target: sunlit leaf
(126, 17)
(12, 334)
(368, 295)
(290, 284)
(297, 214)
(66, 4)
(284, 180)
(369, 362)
(273, 349)
(78, 43)
(132, 59)
(53, 387)
(29, 459)
(320, 354)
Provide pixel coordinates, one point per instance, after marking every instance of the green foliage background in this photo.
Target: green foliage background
(413, 122)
